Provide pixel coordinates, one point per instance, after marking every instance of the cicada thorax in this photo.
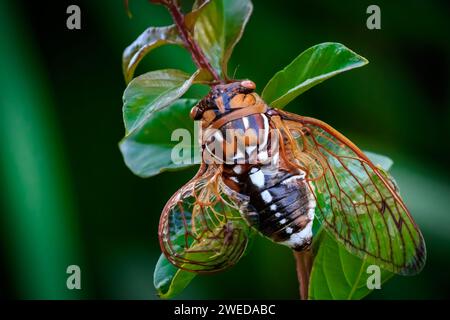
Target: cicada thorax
(279, 201)
(247, 140)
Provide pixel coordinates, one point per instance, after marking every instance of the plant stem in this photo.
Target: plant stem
(303, 260)
(198, 56)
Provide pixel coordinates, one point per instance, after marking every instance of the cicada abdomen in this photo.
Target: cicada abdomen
(280, 204)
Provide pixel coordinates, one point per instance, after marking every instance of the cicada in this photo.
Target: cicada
(276, 173)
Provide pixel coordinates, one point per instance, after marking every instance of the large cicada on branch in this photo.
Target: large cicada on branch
(262, 169)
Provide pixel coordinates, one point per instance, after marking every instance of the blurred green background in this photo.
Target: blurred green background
(67, 197)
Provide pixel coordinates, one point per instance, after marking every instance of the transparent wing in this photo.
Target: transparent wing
(357, 201)
(201, 229)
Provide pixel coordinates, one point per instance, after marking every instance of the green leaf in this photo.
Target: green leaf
(151, 92)
(170, 281)
(148, 151)
(191, 18)
(149, 40)
(310, 68)
(337, 274)
(219, 27)
(379, 160)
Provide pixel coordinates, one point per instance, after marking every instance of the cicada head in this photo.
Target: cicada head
(223, 99)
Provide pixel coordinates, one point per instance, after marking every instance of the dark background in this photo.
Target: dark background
(68, 198)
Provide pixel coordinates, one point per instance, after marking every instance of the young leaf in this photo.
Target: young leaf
(191, 18)
(151, 92)
(339, 275)
(311, 67)
(336, 273)
(150, 39)
(148, 151)
(168, 280)
(219, 27)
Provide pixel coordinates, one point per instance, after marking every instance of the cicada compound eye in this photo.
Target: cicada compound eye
(196, 113)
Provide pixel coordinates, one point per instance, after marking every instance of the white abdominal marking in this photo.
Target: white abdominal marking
(258, 178)
(266, 196)
(299, 238)
(237, 169)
